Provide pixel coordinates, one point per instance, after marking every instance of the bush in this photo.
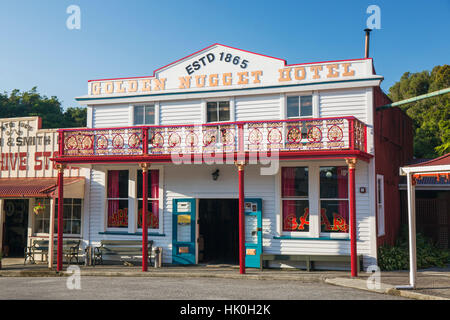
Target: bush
(397, 257)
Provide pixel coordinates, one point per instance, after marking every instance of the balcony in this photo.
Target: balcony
(293, 137)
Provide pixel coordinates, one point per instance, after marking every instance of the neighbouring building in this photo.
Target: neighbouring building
(302, 146)
(28, 180)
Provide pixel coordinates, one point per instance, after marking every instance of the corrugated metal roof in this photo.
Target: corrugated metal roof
(30, 187)
(443, 160)
(427, 180)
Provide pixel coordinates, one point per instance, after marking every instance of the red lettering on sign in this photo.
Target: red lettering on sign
(23, 161)
(38, 161)
(11, 161)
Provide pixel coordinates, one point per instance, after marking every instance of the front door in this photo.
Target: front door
(184, 233)
(253, 232)
(16, 227)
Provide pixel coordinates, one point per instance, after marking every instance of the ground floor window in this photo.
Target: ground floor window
(124, 200)
(71, 216)
(334, 209)
(153, 199)
(72, 209)
(295, 202)
(314, 191)
(42, 219)
(117, 199)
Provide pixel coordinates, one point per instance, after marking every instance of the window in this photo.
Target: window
(117, 199)
(334, 208)
(42, 220)
(294, 197)
(380, 204)
(144, 114)
(299, 106)
(71, 216)
(153, 199)
(218, 111)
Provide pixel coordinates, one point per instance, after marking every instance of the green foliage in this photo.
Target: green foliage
(31, 103)
(431, 117)
(397, 257)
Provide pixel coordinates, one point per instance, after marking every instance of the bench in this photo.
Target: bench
(121, 248)
(309, 259)
(71, 249)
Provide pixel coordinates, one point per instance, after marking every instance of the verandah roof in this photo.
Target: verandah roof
(31, 187)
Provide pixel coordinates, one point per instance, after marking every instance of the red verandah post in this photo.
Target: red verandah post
(144, 167)
(59, 257)
(351, 162)
(241, 166)
(61, 143)
(145, 141)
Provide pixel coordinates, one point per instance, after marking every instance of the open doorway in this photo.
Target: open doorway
(16, 227)
(218, 231)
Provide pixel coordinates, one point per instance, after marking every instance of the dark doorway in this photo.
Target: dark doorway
(218, 231)
(16, 227)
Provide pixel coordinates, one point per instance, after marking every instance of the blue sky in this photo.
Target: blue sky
(126, 38)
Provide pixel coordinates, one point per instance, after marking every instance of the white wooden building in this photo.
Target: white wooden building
(299, 134)
(28, 179)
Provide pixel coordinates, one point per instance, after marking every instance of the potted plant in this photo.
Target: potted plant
(38, 209)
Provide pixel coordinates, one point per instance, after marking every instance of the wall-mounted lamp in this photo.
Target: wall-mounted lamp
(215, 174)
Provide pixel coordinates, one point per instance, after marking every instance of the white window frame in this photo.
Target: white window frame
(380, 206)
(144, 105)
(33, 203)
(217, 102)
(130, 187)
(299, 95)
(298, 233)
(314, 201)
(333, 235)
(160, 201)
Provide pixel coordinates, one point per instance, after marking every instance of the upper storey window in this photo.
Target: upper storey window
(218, 111)
(144, 114)
(299, 106)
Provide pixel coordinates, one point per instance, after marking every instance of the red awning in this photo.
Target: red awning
(31, 187)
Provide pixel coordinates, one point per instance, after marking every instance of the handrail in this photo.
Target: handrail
(305, 134)
(223, 123)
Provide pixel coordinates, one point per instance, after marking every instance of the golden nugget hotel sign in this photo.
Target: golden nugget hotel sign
(228, 68)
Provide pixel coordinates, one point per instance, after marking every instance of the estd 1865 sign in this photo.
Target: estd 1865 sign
(211, 57)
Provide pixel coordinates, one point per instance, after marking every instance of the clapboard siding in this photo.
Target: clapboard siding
(194, 181)
(110, 116)
(293, 246)
(264, 107)
(96, 205)
(180, 112)
(343, 103)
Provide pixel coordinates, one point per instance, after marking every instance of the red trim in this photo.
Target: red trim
(284, 155)
(218, 44)
(331, 61)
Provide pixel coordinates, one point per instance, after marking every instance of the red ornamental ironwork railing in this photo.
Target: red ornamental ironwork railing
(344, 133)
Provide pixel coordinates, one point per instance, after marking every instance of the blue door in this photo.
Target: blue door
(253, 232)
(183, 228)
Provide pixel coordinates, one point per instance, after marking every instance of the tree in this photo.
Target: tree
(31, 103)
(431, 117)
